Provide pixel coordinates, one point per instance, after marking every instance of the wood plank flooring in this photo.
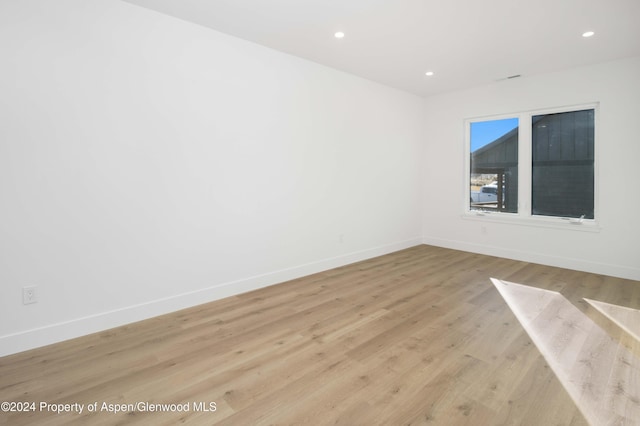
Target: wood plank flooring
(416, 337)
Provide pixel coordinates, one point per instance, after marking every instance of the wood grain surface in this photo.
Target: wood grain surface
(420, 336)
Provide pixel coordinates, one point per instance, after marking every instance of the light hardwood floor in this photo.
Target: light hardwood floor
(421, 336)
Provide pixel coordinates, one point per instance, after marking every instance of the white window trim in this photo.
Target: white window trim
(524, 216)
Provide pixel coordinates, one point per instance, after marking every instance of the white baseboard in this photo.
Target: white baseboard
(54, 333)
(544, 259)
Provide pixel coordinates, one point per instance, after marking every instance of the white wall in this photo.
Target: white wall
(615, 250)
(148, 164)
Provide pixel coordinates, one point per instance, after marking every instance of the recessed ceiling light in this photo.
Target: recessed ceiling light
(339, 34)
(429, 73)
(588, 34)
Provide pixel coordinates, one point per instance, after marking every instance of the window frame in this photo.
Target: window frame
(524, 215)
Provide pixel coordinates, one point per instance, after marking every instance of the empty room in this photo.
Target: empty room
(365, 212)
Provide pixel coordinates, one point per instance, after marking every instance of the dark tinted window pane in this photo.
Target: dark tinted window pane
(494, 165)
(563, 164)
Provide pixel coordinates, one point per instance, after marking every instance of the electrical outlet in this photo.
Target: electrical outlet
(29, 295)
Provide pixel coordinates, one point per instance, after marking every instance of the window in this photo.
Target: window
(562, 167)
(494, 165)
(533, 165)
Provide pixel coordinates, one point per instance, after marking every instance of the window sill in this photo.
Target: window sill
(584, 225)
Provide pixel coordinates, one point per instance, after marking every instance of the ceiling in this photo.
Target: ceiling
(465, 43)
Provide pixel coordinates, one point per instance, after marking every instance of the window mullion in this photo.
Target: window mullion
(524, 166)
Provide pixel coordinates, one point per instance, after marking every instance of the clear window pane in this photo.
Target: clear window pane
(563, 164)
(494, 165)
